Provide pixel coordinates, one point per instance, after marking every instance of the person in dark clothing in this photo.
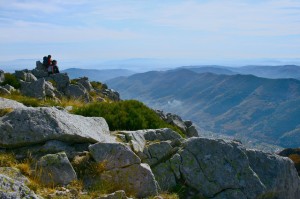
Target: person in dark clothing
(47, 61)
(55, 67)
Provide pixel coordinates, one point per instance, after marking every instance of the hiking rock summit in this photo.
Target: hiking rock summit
(39, 84)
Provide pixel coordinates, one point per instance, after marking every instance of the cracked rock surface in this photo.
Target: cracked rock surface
(28, 126)
(214, 168)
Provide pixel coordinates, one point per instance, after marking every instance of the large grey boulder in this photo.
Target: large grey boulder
(186, 127)
(28, 126)
(61, 81)
(40, 70)
(25, 75)
(84, 81)
(213, 166)
(77, 92)
(113, 155)
(2, 76)
(37, 89)
(13, 189)
(55, 169)
(138, 139)
(277, 173)
(156, 152)
(110, 94)
(7, 103)
(191, 131)
(137, 180)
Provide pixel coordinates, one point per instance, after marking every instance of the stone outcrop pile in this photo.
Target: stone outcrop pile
(38, 84)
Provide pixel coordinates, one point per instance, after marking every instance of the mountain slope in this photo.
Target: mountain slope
(239, 105)
(274, 72)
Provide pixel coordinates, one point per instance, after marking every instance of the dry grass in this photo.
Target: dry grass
(295, 158)
(7, 160)
(84, 165)
(4, 111)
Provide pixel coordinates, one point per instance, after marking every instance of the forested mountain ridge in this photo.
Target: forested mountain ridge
(243, 105)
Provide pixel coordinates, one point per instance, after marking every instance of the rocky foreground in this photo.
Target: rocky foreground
(142, 163)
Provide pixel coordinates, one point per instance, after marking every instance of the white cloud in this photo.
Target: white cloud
(23, 31)
(233, 17)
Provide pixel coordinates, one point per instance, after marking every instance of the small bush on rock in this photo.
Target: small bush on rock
(125, 115)
(11, 80)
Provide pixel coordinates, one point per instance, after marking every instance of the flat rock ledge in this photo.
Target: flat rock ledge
(29, 126)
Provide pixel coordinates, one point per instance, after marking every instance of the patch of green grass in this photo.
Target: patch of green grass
(98, 85)
(11, 80)
(125, 115)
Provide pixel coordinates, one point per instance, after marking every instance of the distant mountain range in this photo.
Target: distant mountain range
(97, 75)
(238, 105)
(274, 72)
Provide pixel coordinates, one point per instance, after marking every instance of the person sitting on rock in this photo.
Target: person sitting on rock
(47, 61)
(55, 67)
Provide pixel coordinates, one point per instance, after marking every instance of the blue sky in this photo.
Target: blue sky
(168, 29)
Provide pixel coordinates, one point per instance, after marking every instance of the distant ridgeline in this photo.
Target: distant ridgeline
(243, 106)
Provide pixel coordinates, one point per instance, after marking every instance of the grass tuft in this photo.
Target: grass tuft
(4, 111)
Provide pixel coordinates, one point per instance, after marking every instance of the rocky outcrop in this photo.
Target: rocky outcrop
(77, 92)
(55, 169)
(111, 94)
(224, 169)
(28, 126)
(60, 81)
(25, 75)
(2, 78)
(37, 89)
(113, 155)
(137, 180)
(84, 81)
(186, 127)
(10, 188)
(278, 174)
(7, 103)
(213, 168)
(40, 70)
(138, 139)
(122, 169)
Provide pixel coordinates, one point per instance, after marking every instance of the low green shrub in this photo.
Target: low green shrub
(125, 115)
(11, 80)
